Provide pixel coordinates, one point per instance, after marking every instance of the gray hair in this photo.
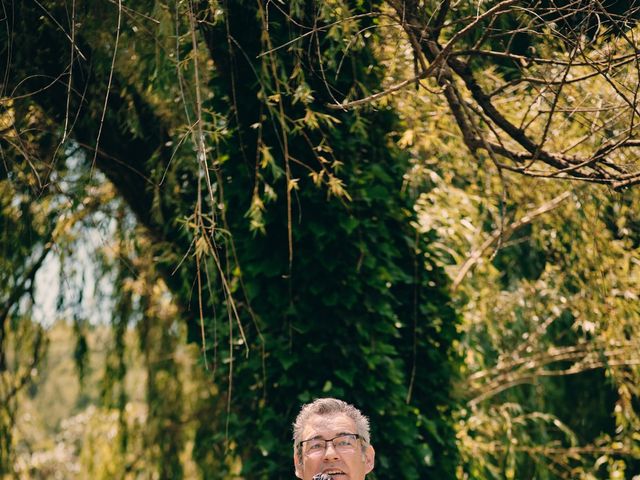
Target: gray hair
(330, 406)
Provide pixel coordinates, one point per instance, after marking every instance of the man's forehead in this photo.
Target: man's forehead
(331, 424)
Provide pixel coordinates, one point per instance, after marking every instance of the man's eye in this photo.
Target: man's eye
(315, 446)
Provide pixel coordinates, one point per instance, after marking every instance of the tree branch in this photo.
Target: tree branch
(505, 233)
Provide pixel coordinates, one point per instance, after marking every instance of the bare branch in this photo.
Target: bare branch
(476, 254)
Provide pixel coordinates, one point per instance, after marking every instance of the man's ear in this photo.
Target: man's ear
(369, 459)
(297, 464)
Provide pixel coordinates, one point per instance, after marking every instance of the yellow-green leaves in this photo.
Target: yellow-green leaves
(303, 93)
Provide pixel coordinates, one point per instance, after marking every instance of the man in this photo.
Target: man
(331, 437)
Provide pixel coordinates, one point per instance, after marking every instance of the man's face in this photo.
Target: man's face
(351, 465)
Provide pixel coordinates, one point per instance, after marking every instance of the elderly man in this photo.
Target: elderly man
(331, 440)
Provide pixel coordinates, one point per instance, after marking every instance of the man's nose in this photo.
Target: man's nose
(333, 453)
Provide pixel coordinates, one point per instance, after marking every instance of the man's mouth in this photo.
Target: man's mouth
(333, 472)
(329, 474)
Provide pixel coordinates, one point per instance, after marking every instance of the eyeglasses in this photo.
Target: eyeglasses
(343, 443)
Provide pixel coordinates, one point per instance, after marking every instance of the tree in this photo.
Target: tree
(32, 223)
(549, 55)
(544, 277)
(312, 267)
(256, 143)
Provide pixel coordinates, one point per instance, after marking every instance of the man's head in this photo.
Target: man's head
(332, 437)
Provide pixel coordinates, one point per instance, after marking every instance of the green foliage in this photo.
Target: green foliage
(309, 251)
(545, 281)
(28, 225)
(342, 315)
(285, 239)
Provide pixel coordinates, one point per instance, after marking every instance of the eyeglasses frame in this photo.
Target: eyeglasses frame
(326, 441)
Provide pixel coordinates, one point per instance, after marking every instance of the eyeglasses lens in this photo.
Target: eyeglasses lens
(342, 443)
